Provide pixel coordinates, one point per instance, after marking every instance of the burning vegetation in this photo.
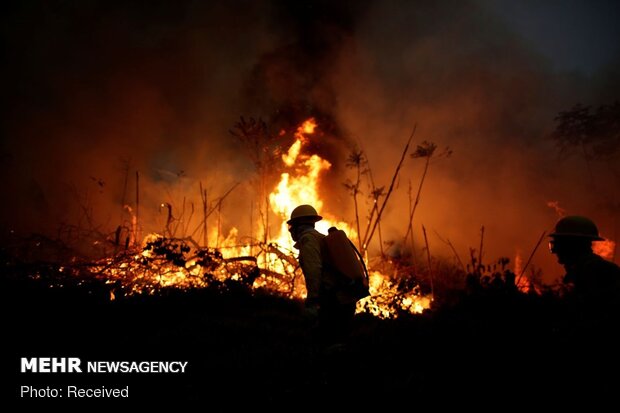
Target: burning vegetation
(131, 264)
(180, 250)
(192, 253)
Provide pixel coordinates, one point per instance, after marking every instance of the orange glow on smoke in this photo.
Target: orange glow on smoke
(604, 248)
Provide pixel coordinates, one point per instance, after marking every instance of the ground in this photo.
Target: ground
(245, 348)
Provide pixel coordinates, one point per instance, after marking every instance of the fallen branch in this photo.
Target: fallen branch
(275, 250)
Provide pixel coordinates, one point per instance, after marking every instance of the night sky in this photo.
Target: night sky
(575, 36)
(94, 88)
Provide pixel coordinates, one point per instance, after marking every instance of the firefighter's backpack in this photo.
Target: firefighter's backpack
(348, 263)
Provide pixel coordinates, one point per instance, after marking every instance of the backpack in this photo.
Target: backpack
(346, 262)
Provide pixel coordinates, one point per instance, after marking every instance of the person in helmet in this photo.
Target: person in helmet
(594, 281)
(334, 316)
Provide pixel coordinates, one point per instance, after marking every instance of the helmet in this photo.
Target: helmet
(576, 226)
(304, 213)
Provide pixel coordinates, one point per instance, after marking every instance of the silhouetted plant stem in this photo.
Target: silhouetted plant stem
(387, 196)
(430, 266)
(529, 260)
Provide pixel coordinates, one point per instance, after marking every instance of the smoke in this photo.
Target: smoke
(472, 85)
(97, 91)
(100, 90)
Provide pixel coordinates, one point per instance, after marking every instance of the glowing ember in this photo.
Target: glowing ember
(385, 300)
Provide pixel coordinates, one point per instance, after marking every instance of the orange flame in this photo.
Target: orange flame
(523, 282)
(300, 185)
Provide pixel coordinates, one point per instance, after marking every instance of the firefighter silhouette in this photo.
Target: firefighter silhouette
(593, 281)
(330, 300)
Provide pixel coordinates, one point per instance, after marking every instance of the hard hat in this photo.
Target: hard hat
(304, 213)
(576, 226)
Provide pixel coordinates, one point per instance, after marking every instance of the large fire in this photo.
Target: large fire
(271, 265)
(164, 263)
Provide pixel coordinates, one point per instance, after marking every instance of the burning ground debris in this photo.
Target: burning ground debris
(168, 262)
(392, 297)
(231, 318)
(165, 264)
